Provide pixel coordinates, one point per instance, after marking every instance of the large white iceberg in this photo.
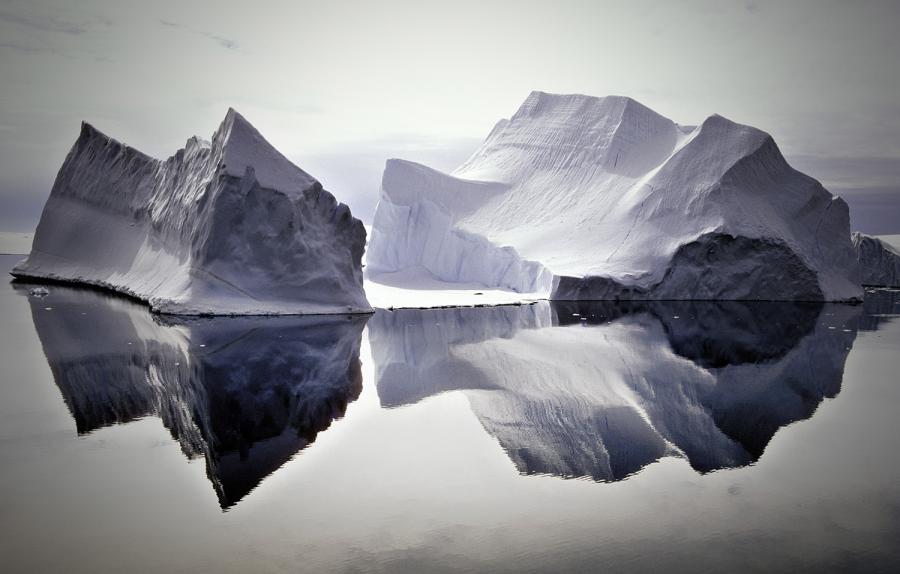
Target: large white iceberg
(578, 197)
(223, 227)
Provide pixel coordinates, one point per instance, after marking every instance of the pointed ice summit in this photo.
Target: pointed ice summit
(578, 197)
(227, 227)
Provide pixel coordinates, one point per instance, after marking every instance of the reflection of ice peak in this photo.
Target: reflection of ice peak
(245, 393)
(610, 388)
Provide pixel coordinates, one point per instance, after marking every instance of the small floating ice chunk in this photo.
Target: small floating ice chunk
(39, 292)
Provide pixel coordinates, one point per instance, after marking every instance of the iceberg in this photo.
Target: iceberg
(879, 261)
(585, 198)
(229, 226)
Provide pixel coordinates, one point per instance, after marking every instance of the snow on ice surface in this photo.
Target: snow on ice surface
(417, 288)
(222, 227)
(578, 197)
(247, 148)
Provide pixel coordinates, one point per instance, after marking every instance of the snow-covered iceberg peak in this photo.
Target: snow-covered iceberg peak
(579, 197)
(242, 146)
(229, 226)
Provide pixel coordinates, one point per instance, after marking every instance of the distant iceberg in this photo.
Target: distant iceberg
(577, 197)
(223, 227)
(879, 261)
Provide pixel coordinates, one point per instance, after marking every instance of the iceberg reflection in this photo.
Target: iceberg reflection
(244, 393)
(571, 389)
(600, 390)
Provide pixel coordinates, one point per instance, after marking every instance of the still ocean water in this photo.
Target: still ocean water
(676, 437)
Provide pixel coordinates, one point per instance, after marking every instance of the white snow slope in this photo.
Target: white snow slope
(578, 197)
(879, 261)
(227, 227)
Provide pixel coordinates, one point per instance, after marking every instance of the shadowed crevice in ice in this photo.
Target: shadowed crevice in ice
(244, 393)
(601, 390)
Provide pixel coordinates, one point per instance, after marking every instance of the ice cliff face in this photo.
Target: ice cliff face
(577, 197)
(879, 263)
(227, 227)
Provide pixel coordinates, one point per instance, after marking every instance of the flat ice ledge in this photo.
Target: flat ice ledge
(418, 289)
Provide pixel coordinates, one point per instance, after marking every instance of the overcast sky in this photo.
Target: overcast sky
(339, 86)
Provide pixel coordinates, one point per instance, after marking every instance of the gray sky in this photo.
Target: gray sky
(340, 86)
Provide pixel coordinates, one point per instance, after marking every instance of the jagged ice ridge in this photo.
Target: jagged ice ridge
(229, 226)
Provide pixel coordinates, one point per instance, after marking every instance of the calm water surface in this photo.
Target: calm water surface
(547, 437)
